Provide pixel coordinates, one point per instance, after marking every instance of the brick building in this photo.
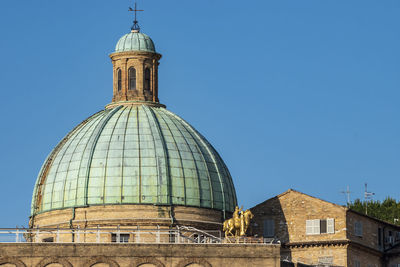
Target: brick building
(316, 232)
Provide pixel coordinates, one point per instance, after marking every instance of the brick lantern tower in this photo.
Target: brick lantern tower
(135, 69)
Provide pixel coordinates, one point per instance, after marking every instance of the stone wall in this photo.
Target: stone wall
(393, 260)
(370, 228)
(159, 255)
(369, 235)
(319, 255)
(360, 256)
(291, 210)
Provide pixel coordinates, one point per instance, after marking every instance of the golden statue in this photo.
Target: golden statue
(239, 223)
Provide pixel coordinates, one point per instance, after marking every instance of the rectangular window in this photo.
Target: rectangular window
(172, 236)
(48, 240)
(358, 228)
(330, 225)
(391, 238)
(357, 263)
(269, 228)
(122, 238)
(322, 226)
(380, 237)
(325, 260)
(313, 227)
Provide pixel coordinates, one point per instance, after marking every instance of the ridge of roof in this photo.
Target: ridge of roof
(291, 190)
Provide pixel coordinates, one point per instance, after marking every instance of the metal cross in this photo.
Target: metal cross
(135, 26)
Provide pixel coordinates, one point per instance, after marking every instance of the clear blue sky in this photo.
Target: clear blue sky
(293, 94)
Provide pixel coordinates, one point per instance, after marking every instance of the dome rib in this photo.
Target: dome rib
(139, 196)
(204, 161)
(81, 170)
(186, 125)
(164, 118)
(164, 152)
(96, 135)
(40, 185)
(123, 153)
(64, 151)
(70, 160)
(107, 156)
(180, 160)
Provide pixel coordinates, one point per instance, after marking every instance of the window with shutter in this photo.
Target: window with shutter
(269, 228)
(316, 228)
(309, 227)
(330, 225)
(313, 227)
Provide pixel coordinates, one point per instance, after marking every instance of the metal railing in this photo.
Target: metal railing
(178, 235)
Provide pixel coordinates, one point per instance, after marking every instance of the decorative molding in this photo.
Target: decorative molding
(47, 261)
(188, 261)
(147, 260)
(101, 259)
(11, 260)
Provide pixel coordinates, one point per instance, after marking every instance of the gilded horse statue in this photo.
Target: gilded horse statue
(239, 223)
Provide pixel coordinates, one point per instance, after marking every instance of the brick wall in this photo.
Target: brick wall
(114, 255)
(291, 210)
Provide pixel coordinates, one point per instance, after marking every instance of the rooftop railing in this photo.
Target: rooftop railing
(178, 235)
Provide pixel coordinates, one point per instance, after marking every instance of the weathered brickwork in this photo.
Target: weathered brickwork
(290, 212)
(131, 255)
(316, 232)
(317, 255)
(364, 257)
(126, 216)
(393, 258)
(140, 61)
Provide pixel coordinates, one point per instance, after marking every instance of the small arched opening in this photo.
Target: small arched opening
(132, 78)
(147, 78)
(119, 80)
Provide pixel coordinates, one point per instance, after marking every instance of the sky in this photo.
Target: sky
(300, 94)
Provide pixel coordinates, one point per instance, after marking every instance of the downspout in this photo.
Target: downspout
(172, 215)
(71, 226)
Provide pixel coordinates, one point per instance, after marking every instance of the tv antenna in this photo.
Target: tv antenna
(347, 195)
(367, 196)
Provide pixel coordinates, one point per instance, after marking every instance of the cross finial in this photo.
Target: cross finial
(135, 26)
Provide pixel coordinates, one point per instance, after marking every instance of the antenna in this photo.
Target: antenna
(135, 26)
(367, 196)
(347, 195)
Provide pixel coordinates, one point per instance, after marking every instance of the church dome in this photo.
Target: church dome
(135, 154)
(135, 41)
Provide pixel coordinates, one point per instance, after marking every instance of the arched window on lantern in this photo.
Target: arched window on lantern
(132, 78)
(147, 79)
(119, 80)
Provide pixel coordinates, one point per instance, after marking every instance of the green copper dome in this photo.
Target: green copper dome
(133, 155)
(135, 41)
